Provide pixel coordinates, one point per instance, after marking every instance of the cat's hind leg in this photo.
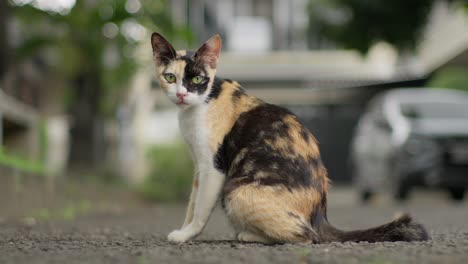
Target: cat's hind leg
(275, 213)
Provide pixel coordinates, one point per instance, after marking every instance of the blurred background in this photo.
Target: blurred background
(81, 115)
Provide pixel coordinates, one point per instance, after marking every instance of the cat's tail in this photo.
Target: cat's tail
(401, 229)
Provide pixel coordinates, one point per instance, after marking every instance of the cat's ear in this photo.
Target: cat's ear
(163, 52)
(208, 53)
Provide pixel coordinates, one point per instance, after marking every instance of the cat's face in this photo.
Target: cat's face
(186, 77)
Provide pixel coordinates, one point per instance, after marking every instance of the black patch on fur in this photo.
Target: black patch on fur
(191, 70)
(401, 229)
(215, 90)
(260, 162)
(237, 94)
(164, 60)
(305, 134)
(229, 80)
(293, 215)
(323, 204)
(319, 214)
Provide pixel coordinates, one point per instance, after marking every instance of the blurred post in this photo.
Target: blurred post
(58, 144)
(4, 47)
(1, 129)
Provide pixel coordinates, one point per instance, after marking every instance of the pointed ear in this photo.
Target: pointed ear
(163, 52)
(209, 52)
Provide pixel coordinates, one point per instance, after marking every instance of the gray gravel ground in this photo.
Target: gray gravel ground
(137, 235)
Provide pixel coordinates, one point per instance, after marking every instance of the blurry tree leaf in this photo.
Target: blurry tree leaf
(97, 64)
(30, 46)
(358, 24)
(451, 78)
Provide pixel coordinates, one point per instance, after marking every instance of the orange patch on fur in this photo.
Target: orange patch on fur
(299, 143)
(176, 67)
(304, 147)
(223, 112)
(274, 211)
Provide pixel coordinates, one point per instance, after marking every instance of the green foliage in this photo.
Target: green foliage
(171, 174)
(20, 163)
(24, 164)
(157, 18)
(358, 24)
(451, 78)
(69, 212)
(79, 46)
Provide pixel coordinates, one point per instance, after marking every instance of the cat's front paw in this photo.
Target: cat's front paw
(178, 236)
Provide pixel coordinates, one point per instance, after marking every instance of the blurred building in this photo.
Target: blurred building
(247, 25)
(266, 51)
(445, 41)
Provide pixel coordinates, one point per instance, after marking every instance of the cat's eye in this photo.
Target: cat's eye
(198, 79)
(170, 78)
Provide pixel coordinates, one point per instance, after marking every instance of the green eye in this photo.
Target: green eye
(170, 78)
(198, 79)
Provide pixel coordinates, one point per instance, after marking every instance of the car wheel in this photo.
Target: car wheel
(366, 196)
(457, 194)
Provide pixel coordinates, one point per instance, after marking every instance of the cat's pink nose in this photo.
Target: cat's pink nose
(181, 95)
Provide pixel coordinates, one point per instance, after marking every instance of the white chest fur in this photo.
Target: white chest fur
(195, 132)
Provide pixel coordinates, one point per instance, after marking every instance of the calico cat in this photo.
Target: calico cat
(257, 156)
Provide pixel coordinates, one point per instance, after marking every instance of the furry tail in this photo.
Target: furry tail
(401, 229)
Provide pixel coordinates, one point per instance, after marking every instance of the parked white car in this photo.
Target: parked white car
(412, 137)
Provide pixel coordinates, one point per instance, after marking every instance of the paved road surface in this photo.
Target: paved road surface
(137, 235)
